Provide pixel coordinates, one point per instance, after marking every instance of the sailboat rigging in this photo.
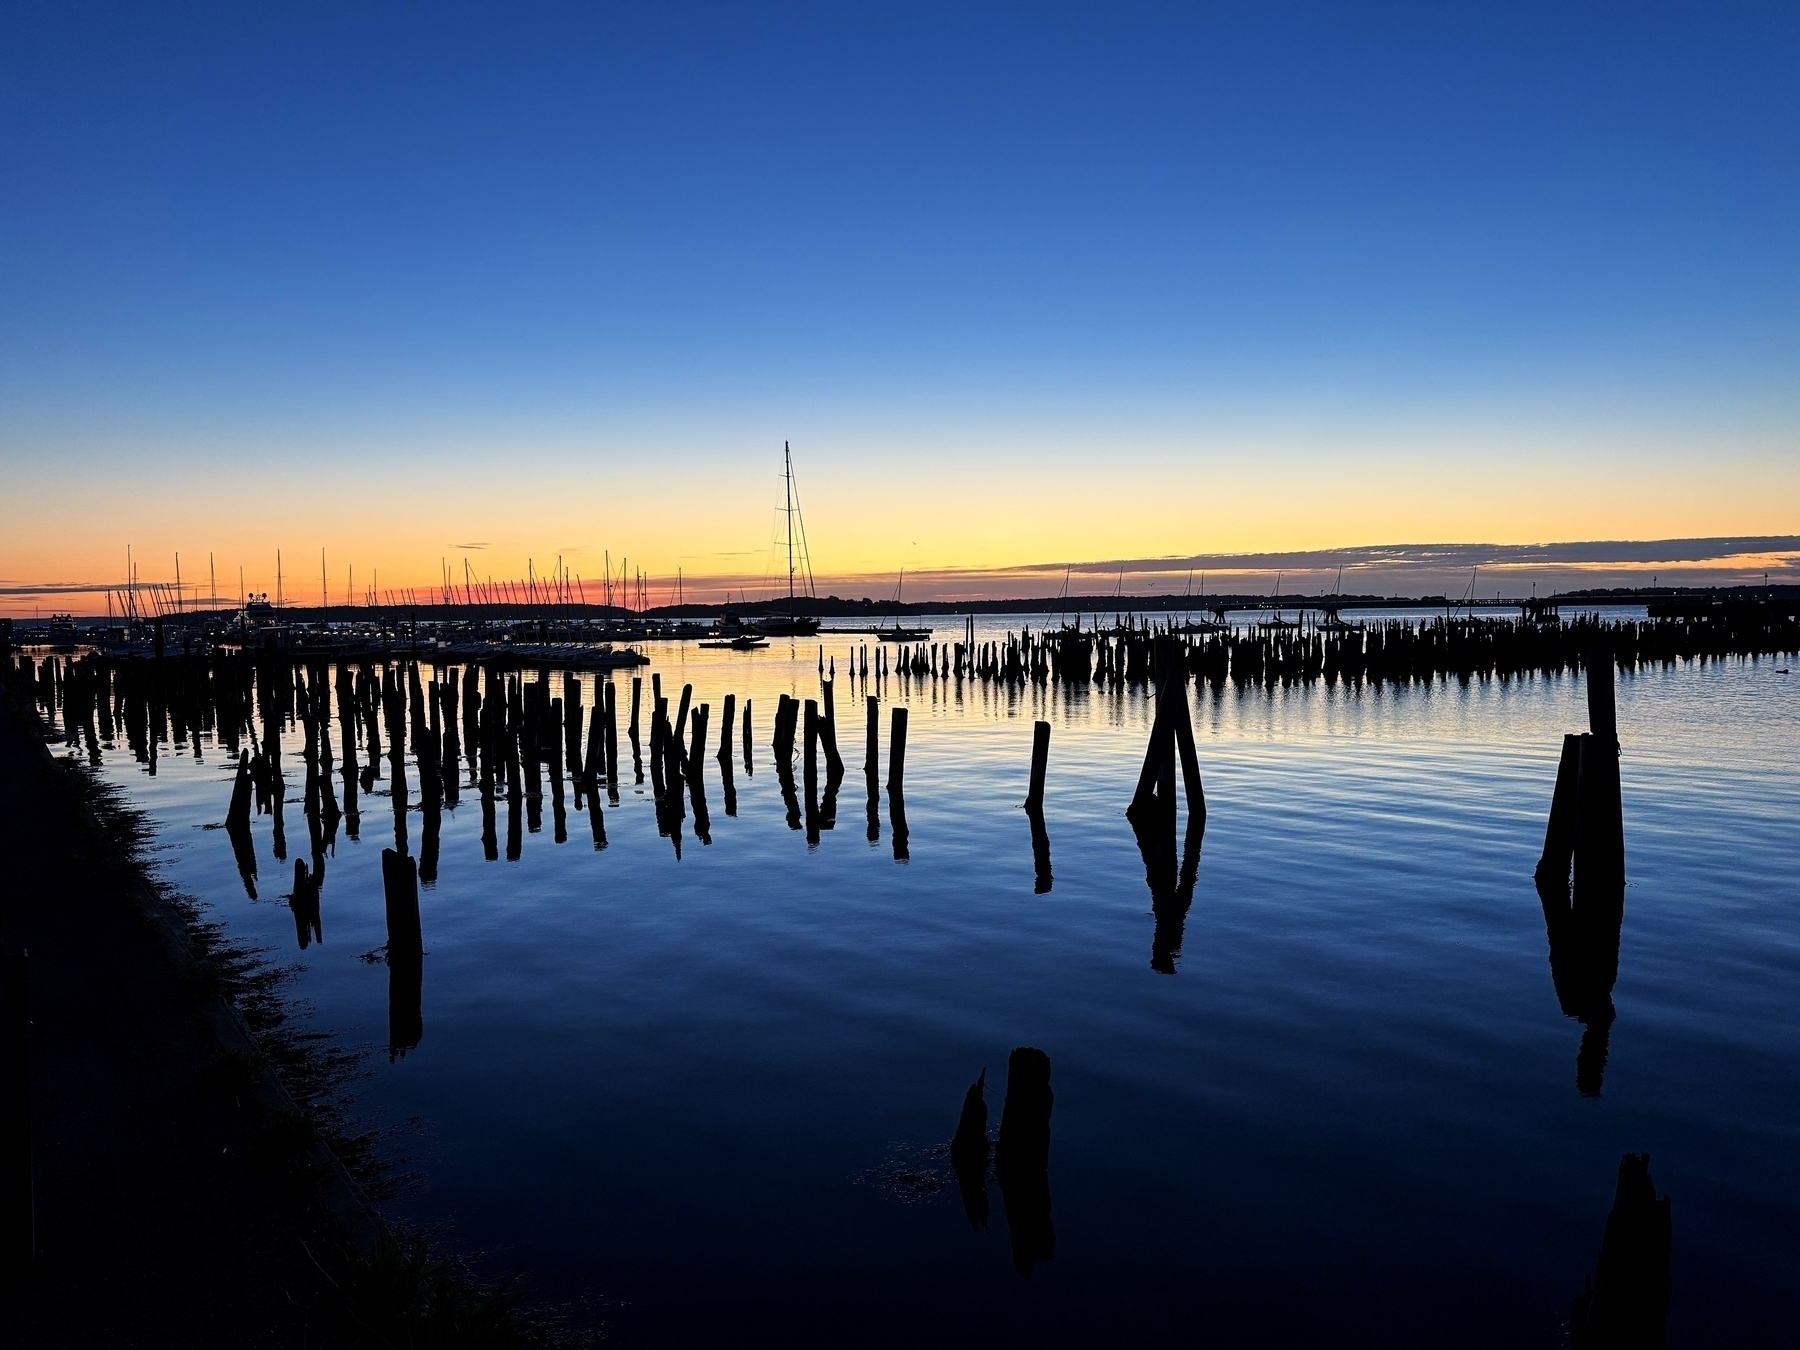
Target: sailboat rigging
(896, 633)
(792, 623)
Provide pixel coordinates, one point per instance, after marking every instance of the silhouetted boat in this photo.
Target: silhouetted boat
(894, 632)
(1275, 623)
(790, 624)
(743, 642)
(1196, 626)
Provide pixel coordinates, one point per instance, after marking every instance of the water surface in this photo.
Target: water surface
(711, 1091)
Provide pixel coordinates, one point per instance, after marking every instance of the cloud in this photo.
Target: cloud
(65, 588)
(470, 546)
(1402, 557)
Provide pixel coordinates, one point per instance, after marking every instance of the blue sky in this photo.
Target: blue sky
(1543, 237)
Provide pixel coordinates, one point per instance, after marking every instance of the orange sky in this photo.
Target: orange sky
(869, 509)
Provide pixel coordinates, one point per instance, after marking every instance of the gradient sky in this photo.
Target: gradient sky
(1022, 284)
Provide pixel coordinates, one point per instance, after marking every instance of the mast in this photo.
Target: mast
(787, 455)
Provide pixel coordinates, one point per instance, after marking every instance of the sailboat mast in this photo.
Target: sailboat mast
(787, 456)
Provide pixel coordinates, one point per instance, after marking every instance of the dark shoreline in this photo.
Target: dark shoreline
(199, 1177)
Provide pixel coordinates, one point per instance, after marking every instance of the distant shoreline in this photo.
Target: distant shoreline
(874, 610)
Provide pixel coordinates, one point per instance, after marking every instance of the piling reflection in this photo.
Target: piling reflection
(490, 839)
(1040, 850)
(597, 823)
(559, 816)
(275, 783)
(727, 785)
(405, 952)
(406, 992)
(347, 733)
(1626, 1299)
(515, 829)
(970, 1152)
(834, 778)
(1580, 878)
(697, 797)
(1171, 882)
(790, 797)
(428, 843)
(308, 924)
(897, 824)
(243, 848)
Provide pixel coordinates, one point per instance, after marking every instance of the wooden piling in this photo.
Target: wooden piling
(1190, 759)
(1170, 729)
(834, 763)
(1600, 825)
(727, 717)
(897, 751)
(1559, 834)
(810, 744)
(698, 747)
(612, 736)
(872, 735)
(1602, 710)
(1024, 1142)
(593, 765)
(1022, 1158)
(1600, 831)
(1040, 760)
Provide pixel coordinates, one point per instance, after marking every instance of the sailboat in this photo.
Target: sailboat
(791, 624)
(1200, 626)
(1275, 623)
(894, 632)
(1331, 623)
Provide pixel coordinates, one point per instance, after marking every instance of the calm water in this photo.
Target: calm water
(709, 1090)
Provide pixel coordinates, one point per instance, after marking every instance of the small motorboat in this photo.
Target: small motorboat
(744, 642)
